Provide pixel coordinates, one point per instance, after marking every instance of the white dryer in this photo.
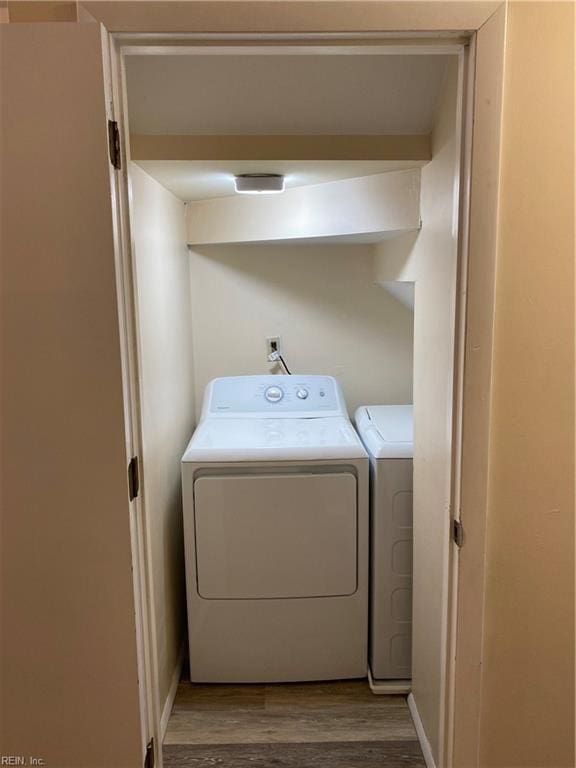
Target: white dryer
(275, 490)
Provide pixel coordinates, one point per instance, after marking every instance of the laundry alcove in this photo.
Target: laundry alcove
(353, 267)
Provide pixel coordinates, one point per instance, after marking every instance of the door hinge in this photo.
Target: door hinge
(457, 532)
(133, 478)
(114, 144)
(149, 759)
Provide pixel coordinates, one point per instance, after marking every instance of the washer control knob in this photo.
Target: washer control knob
(302, 393)
(274, 394)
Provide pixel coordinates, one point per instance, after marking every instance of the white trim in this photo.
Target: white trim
(465, 92)
(421, 733)
(407, 37)
(384, 49)
(169, 703)
(466, 72)
(388, 687)
(140, 534)
(130, 400)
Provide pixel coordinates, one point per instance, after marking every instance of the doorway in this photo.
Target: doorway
(427, 257)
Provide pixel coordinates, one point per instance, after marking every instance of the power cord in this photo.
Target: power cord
(276, 357)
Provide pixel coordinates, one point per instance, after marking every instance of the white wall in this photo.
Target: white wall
(429, 259)
(381, 205)
(167, 392)
(321, 300)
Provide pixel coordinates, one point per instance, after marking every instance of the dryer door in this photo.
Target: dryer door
(276, 536)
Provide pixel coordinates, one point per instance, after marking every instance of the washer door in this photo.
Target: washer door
(276, 536)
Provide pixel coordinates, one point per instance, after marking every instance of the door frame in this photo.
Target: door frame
(478, 222)
(144, 610)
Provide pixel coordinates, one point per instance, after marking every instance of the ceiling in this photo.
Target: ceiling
(279, 94)
(283, 94)
(204, 179)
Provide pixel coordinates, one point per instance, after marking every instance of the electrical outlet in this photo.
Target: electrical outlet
(273, 344)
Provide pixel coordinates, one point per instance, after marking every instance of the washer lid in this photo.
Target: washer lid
(257, 439)
(387, 430)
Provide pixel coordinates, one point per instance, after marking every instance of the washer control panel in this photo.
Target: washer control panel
(297, 396)
(273, 394)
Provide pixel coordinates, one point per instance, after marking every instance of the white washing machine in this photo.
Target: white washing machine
(275, 489)
(387, 433)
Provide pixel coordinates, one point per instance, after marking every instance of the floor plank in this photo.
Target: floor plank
(358, 754)
(224, 698)
(339, 724)
(346, 694)
(310, 725)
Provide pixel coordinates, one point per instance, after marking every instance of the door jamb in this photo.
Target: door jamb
(146, 640)
(465, 120)
(129, 352)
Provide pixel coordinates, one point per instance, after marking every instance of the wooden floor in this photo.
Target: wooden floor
(341, 725)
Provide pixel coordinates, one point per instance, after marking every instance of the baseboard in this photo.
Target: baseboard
(424, 743)
(169, 703)
(388, 687)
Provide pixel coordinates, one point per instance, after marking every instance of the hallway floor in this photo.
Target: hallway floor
(340, 725)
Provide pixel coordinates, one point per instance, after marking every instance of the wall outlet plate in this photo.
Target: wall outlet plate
(273, 344)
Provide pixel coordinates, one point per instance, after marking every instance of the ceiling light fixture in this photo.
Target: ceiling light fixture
(259, 183)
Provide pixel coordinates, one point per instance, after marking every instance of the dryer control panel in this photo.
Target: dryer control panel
(274, 396)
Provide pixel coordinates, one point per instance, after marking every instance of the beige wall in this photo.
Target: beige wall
(321, 300)
(167, 397)
(315, 16)
(527, 715)
(429, 258)
(68, 636)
